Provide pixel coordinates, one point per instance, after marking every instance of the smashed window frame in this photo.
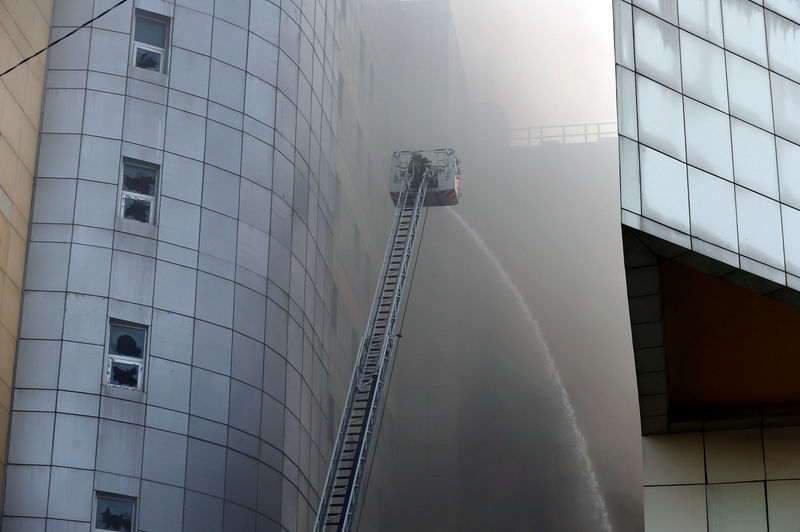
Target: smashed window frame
(113, 516)
(125, 355)
(129, 197)
(149, 48)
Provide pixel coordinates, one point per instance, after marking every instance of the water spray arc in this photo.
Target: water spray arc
(581, 447)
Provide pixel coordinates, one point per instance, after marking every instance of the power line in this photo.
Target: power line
(62, 38)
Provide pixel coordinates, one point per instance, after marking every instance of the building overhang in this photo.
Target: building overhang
(714, 345)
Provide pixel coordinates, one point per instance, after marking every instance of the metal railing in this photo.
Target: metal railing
(567, 134)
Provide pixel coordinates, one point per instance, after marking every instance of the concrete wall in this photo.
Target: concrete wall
(731, 480)
(24, 29)
(243, 281)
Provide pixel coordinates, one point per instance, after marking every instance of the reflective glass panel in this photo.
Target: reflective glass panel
(152, 32)
(139, 179)
(708, 139)
(125, 340)
(666, 9)
(791, 238)
(123, 374)
(789, 172)
(629, 174)
(784, 42)
(660, 113)
(623, 33)
(114, 514)
(749, 91)
(136, 209)
(148, 59)
(703, 18)
(743, 26)
(759, 222)
(626, 102)
(787, 8)
(786, 99)
(703, 67)
(665, 197)
(657, 52)
(713, 208)
(754, 158)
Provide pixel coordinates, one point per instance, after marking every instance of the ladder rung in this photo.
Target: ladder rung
(365, 393)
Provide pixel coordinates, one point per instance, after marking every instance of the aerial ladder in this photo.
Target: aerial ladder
(419, 179)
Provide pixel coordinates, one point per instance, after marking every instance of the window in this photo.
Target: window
(114, 513)
(126, 354)
(150, 43)
(138, 191)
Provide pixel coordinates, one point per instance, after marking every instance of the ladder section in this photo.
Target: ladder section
(359, 418)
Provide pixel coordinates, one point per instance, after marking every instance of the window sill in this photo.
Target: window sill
(142, 74)
(128, 394)
(136, 228)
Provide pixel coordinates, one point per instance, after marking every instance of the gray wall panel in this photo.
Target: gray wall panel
(213, 281)
(29, 498)
(70, 494)
(205, 470)
(164, 457)
(202, 513)
(119, 448)
(75, 441)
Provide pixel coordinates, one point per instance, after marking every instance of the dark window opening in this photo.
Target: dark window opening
(123, 374)
(138, 191)
(139, 179)
(126, 355)
(149, 59)
(150, 43)
(128, 341)
(136, 209)
(114, 514)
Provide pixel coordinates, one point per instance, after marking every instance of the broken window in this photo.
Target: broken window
(150, 42)
(138, 191)
(114, 513)
(126, 355)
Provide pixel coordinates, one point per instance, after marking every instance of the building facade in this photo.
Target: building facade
(24, 29)
(192, 276)
(708, 113)
(200, 260)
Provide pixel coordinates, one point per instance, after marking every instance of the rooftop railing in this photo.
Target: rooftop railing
(567, 134)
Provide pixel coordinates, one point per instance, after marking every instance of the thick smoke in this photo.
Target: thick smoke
(474, 437)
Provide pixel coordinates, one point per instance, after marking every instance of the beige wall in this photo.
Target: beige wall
(24, 28)
(728, 480)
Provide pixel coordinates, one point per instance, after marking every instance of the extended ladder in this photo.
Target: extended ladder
(349, 460)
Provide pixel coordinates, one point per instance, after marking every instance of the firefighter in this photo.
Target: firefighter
(417, 167)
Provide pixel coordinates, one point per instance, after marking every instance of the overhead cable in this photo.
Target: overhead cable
(62, 38)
